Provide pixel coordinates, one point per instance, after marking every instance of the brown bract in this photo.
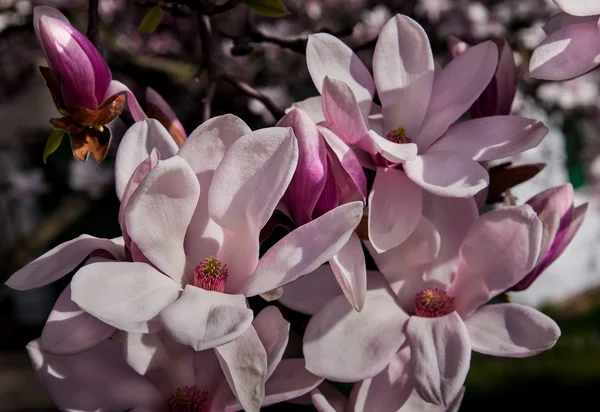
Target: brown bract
(155, 113)
(505, 176)
(87, 127)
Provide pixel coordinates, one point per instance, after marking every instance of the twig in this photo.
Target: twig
(93, 23)
(207, 63)
(252, 92)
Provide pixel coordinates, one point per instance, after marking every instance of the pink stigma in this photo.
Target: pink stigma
(398, 135)
(433, 303)
(188, 399)
(211, 275)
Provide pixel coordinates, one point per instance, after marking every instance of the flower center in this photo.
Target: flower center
(398, 135)
(433, 303)
(211, 275)
(188, 399)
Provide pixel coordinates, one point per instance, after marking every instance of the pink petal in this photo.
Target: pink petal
(511, 330)
(327, 399)
(310, 293)
(140, 172)
(369, 338)
(341, 108)
(561, 20)
(313, 107)
(349, 176)
(122, 294)
(403, 70)
(394, 208)
(61, 260)
(579, 7)
(136, 146)
(388, 390)
(326, 55)
(152, 97)
(244, 363)
(72, 381)
(290, 380)
(447, 174)
(416, 403)
(491, 138)
(440, 356)
(405, 265)
(246, 188)
(308, 182)
(567, 53)
(456, 88)
(70, 330)
(350, 271)
(501, 247)
(394, 152)
(304, 249)
(134, 106)
(205, 319)
(273, 331)
(203, 150)
(209, 374)
(159, 212)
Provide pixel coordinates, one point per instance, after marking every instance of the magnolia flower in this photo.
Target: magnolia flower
(561, 221)
(497, 98)
(81, 85)
(328, 175)
(151, 372)
(417, 330)
(573, 43)
(411, 141)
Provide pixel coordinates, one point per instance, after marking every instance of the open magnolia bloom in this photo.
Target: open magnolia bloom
(152, 372)
(411, 140)
(416, 330)
(573, 43)
(328, 175)
(81, 85)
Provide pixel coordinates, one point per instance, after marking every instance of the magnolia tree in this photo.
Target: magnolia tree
(389, 163)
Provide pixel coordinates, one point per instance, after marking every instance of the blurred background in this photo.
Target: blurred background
(42, 205)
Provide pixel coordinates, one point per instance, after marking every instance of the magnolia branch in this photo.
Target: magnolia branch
(93, 23)
(252, 92)
(207, 63)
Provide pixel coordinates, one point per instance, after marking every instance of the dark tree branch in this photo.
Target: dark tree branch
(207, 63)
(252, 92)
(93, 23)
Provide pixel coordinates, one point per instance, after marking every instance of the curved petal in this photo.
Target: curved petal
(205, 319)
(140, 172)
(501, 247)
(511, 330)
(244, 363)
(158, 214)
(350, 270)
(491, 138)
(369, 338)
(394, 208)
(440, 356)
(136, 146)
(313, 107)
(289, 381)
(567, 53)
(447, 174)
(72, 381)
(304, 249)
(122, 294)
(61, 260)
(403, 70)
(310, 293)
(387, 391)
(70, 330)
(165, 114)
(327, 399)
(203, 150)
(416, 403)
(561, 20)
(273, 331)
(326, 55)
(579, 7)
(456, 88)
(394, 152)
(134, 107)
(308, 182)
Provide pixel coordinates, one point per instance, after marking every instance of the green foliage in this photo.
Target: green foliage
(53, 143)
(271, 8)
(151, 20)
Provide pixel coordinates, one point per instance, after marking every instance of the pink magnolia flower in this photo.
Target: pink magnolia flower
(328, 175)
(573, 43)
(418, 327)
(497, 98)
(411, 141)
(561, 221)
(151, 372)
